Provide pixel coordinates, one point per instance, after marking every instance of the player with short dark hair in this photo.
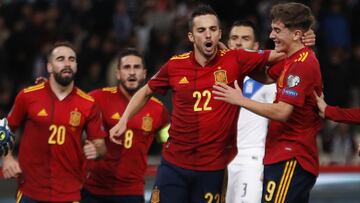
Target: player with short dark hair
(291, 156)
(54, 115)
(120, 176)
(203, 131)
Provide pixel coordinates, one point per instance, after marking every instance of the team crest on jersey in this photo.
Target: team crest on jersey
(155, 195)
(293, 80)
(75, 117)
(147, 122)
(220, 76)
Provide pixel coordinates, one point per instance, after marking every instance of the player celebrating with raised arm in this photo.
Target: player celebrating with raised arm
(203, 130)
(120, 176)
(291, 156)
(54, 115)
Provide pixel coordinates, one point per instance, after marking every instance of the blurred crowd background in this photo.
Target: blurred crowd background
(158, 28)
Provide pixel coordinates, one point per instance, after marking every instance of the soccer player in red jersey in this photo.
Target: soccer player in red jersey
(343, 115)
(120, 176)
(54, 115)
(291, 156)
(203, 130)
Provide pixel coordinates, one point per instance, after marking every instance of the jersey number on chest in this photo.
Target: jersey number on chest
(57, 134)
(201, 96)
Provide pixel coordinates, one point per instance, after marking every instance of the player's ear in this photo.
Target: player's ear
(117, 73)
(297, 34)
(256, 46)
(49, 68)
(145, 72)
(191, 37)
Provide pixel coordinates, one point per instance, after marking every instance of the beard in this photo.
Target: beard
(132, 90)
(64, 81)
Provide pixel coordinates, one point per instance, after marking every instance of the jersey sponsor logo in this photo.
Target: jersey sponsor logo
(302, 57)
(75, 117)
(42, 113)
(184, 80)
(290, 92)
(220, 76)
(116, 116)
(155, 195)
(147, 122)
(293, 80)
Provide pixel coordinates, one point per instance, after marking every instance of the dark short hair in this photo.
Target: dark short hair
(247, 23)
(200, 11)
(130, 51)
(60, 44)
(293, 15)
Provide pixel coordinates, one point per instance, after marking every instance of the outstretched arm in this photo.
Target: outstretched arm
(139, 99)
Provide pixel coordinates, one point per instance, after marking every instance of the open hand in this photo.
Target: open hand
(228, 94)
(11, 167)
(309, 38)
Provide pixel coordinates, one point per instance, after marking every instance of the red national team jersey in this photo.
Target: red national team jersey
(349, 115)
(296, 137)
(203, 130)
(50, 154)
(122, 171)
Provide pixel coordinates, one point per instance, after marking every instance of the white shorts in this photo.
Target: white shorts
(245, 175)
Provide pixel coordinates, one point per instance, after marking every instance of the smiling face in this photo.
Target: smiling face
(281, 36)
(131, 73)
(62, 65)
(205, 35)
(242, 37)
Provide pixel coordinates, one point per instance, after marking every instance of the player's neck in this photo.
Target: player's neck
(294, 47)
(125, 93)
(202, 59)
(60, 91)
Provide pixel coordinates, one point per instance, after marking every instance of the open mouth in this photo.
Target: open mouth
(132, 79)
(208, 44)
(67, 71)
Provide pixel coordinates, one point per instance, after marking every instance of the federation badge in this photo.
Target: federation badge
(147, 122)
(75, 117)
(293, 80)
(220, 76)
(155, 195)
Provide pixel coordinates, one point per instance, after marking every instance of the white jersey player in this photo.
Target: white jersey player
(245, 171)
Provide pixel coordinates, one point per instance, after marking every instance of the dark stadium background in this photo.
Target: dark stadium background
(100, 28)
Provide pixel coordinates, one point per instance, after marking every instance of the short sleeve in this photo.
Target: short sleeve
(275, 70)
(249, 60)
(94, 126)
(159, 83)
(298, 81)
(18, 111)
